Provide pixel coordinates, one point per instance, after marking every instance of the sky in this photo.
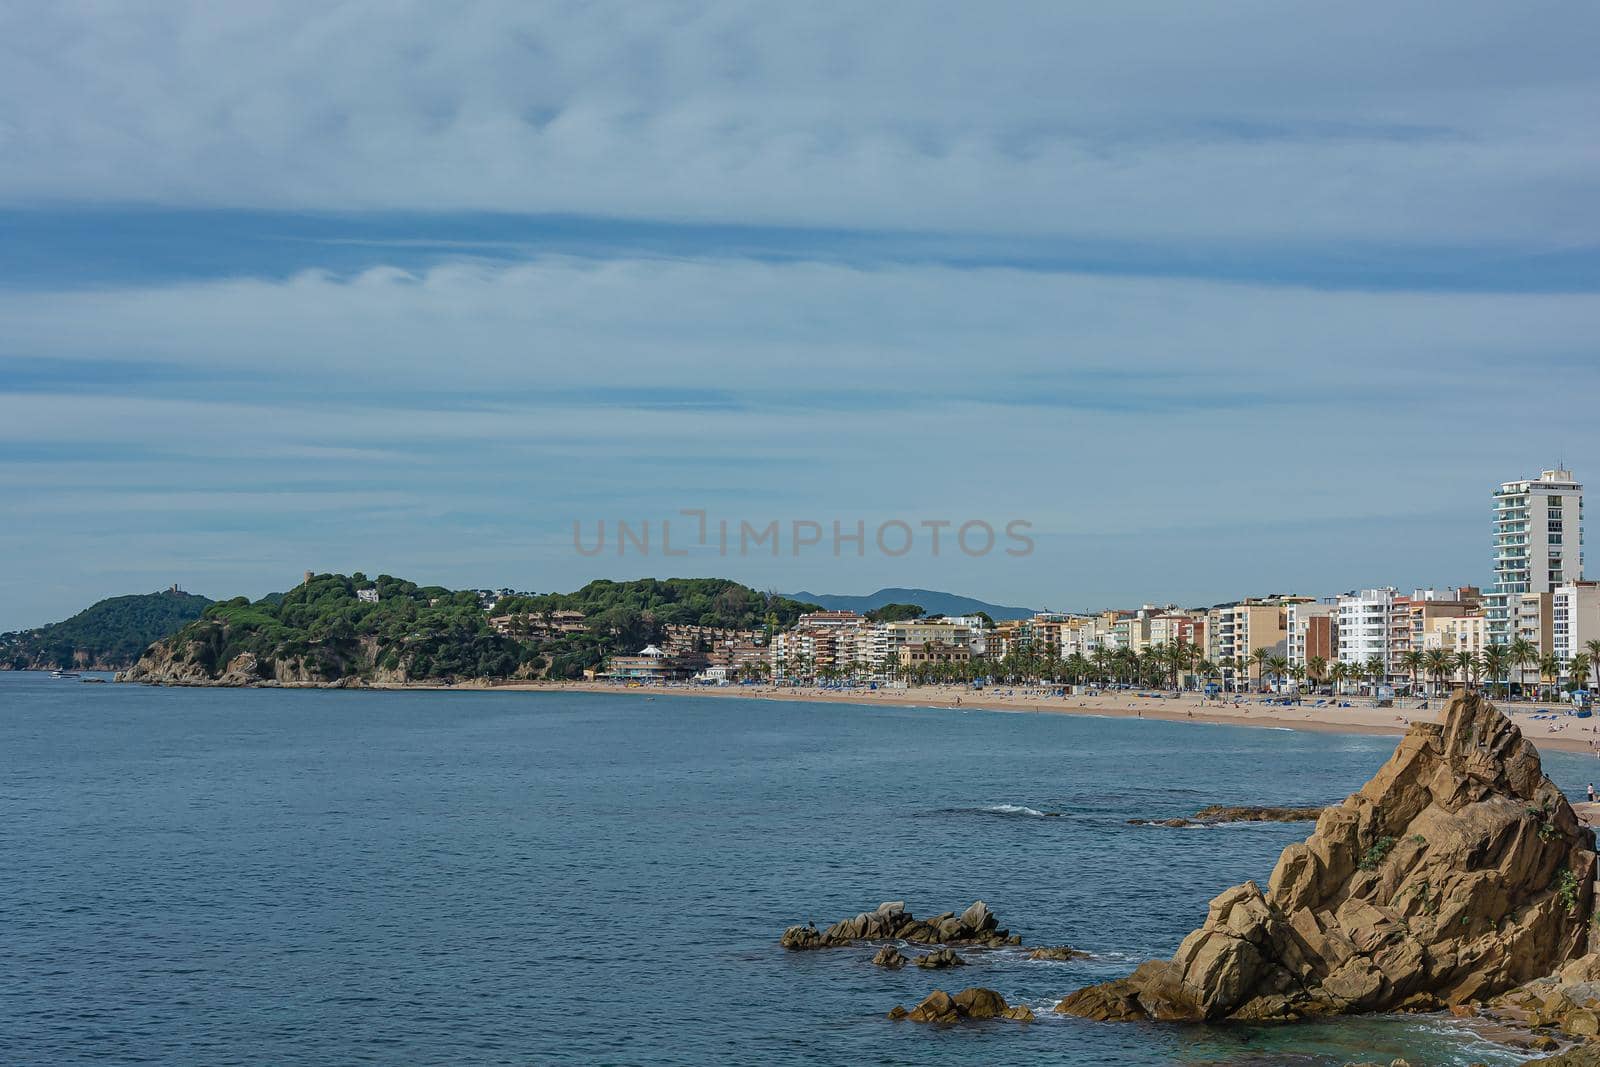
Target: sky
(1215, 300)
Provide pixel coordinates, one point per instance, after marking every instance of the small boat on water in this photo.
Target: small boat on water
(64, 674)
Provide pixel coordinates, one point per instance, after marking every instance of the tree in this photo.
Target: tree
(1593, 648)
(1524, 654)
(1467, 667)
(1317, 669)
(1376, 671)
(1438, 663)
(1260, 658)
(1550, 669)
(1412, 660)
(1279, 666)
(896, 613)
(1578, 670)
(1496, 663)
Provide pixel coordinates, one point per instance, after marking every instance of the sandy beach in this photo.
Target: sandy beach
(1564, 731)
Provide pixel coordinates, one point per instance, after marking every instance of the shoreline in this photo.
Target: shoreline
(1557, 731)
(1566, 733)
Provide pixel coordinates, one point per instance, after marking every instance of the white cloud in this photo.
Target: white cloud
(567, 329)
(1246, 120)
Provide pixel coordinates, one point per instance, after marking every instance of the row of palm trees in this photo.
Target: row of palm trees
(1180, 666)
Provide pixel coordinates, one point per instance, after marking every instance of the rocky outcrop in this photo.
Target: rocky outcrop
(1585, 1055)
(892, 922)
(174, 663)
(890, 957)
(1057, 953)
(939, 959)
(1218, 813)
(1567, 1001)
(973, 1003)
(1458, 872)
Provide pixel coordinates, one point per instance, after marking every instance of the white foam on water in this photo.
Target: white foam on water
(1013, 809)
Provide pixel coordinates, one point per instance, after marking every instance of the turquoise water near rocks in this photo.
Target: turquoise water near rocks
(252, 876)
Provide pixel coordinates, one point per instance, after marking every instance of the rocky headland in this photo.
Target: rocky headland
(1458, 873)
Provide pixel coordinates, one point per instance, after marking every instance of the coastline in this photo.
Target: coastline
(1560, 731)
(1566, 732)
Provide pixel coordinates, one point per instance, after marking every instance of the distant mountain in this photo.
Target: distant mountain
(929, 600)
(106, 636)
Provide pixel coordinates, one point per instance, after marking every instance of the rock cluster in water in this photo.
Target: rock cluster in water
(1567, 1001)
(891, 921)
(1458, 872)
(973, 1003)
(1219, 813)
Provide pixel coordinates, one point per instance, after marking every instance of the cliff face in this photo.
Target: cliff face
(174, 663)
(1456, 873)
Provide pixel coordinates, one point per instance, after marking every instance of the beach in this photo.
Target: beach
(1563, 731)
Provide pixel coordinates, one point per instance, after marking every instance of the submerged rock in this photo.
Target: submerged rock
(1059, 952)
(1218, 813)
(1458, 872)
(973, 1003)
(891, 922)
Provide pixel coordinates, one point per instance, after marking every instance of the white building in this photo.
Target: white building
(1538, 542)
(1365, 621)
(1574, 618)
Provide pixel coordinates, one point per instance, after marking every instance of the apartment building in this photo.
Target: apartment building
(1462, 633)
(1574, 619)
(1235, 631)
(1533, 620)
(1538, 543)
(1367, 624)
(1311, 629)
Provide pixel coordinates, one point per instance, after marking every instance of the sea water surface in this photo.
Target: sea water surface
(196, 876)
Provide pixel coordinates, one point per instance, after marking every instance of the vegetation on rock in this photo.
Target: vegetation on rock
(108, 635)
(347, 627)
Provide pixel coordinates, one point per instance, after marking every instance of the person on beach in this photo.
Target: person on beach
(1591, 792)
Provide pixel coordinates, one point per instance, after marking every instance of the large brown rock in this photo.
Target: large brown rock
(1458, 872)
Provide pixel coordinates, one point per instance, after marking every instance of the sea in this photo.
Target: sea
(205, 876)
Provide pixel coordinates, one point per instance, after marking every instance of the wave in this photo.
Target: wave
(1012, 809)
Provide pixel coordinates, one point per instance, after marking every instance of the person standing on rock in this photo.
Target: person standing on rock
(1591, 792)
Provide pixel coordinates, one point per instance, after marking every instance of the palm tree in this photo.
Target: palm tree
(1438, 663)
(1578, 670)
(1412, 661)
(1524, 654)
(1279, 667)
(1593, 648)
(1550, 669)
(1467, 667)
(1260, 657)
(1496, 663)
(1377, 671)
(1316, 669)
(1338, 671)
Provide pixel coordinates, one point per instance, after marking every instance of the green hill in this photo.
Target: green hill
(108, 635)
(337, 627)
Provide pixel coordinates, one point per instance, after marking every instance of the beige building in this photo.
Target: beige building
(1235, 631)
(1456, 634)
(1532, 620)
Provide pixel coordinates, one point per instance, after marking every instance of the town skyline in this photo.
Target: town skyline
(394, 295)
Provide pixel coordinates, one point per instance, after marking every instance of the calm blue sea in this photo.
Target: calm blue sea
(247, 876)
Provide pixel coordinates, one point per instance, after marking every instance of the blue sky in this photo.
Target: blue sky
(1222, 299)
